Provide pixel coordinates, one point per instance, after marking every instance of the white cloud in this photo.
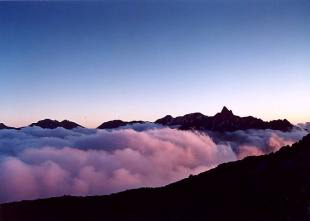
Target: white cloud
(36, 162)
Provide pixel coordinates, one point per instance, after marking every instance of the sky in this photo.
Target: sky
(91, 62)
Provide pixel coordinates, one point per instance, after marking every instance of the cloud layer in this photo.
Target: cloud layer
(305, 126)
(37, 163)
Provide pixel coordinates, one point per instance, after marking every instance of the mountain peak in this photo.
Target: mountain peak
(52, 124)
(3, 126)
(118, 123)
(225, 110)
(223, 121)
(165, 120)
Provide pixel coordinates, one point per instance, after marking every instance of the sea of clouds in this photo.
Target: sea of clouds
(305, 126)
(39, 163)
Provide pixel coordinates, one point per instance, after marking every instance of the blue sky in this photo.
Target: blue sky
(95, 61)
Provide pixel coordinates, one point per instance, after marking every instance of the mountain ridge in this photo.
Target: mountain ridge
(118, 123)
(222, 121)
(52, 124)
(3, 126)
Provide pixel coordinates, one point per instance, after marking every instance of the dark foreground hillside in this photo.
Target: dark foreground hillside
(272, 187)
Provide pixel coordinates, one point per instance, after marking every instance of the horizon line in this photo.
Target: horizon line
(145, 121)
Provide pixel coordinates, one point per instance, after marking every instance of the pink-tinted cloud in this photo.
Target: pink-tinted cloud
(44, 163)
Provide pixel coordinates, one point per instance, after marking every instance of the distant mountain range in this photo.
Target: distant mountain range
(117, 123)
(47, 124)
(263, 188)
(52, 124)
(223, 121)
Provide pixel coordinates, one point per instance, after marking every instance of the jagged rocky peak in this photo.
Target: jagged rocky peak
(225, 111)
(222, 121)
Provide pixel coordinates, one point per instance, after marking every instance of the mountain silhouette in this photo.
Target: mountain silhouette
(262, 188)
(223, 121)
(3, 126)
(117, 123)
(52, 124)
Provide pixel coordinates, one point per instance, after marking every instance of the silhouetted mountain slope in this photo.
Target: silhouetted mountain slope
(117, 123)
(265, 188)
(223, 121)
(52, 124)
(3, 126)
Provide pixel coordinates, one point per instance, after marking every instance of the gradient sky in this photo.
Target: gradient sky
(95, 61)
